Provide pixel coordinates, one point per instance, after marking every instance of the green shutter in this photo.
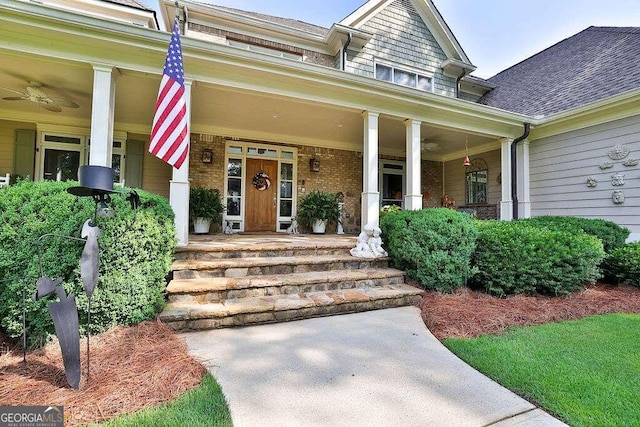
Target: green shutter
(25, 153)
(133, 169)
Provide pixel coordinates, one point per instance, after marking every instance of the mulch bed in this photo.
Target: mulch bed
(131, 368)
(468, 313)
(145, 365)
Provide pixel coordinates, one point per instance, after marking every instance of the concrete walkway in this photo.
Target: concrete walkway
(378, 368)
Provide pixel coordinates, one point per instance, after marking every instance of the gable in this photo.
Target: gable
(402, 39)
(430, 17)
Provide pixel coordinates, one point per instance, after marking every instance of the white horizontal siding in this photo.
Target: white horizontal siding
(560, 166)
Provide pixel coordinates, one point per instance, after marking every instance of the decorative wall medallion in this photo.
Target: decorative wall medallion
(607, 165)
(592, 182)
(617, 179)
(631, 162)
(618, 197)
(618, 152)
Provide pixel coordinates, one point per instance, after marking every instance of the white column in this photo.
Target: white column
(179, 184)
(102, 110)
(413, 195)
(506, 203)
(370, 191)
(524, 193)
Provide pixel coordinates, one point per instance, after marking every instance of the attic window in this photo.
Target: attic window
(265, 50)
(404, 77)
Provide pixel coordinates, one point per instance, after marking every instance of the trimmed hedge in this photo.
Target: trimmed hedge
(623, 265)
(517, 257)
(136, 251)
(433, 246)
(613, 236)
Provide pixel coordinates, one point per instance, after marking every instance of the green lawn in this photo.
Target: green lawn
(204, 406)
(586, 372)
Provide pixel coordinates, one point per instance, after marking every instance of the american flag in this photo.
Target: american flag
(170, 133)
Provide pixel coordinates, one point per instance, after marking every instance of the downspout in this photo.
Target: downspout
(344, 51)
(514, 168)
(464, 73)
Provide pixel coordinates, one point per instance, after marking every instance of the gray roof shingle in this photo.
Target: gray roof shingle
(594, 64)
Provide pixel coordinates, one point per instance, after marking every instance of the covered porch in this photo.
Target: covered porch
(372, 141)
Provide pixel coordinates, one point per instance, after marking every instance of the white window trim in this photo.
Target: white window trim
(402, 172)
(82, 148)
(407, 69)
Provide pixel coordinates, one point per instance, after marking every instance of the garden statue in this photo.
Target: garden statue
(369, 244)
(448, 202)
(293, 228)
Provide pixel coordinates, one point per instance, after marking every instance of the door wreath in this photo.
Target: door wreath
(261, 181)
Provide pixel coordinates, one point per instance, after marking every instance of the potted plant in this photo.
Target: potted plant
(317, 209)
(205, 206)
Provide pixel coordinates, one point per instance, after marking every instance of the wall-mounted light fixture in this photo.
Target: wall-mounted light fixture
(314, 165)
(207, 155)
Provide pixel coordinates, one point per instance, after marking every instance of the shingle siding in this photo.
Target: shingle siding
(401, 37)
(560, 166)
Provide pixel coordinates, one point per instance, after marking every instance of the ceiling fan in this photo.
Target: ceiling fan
(34, 93)
(430, 146)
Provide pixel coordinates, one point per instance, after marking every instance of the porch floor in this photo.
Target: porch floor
(266, 241)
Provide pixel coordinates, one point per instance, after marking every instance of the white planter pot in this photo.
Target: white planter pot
(201, 225)
(320, 226)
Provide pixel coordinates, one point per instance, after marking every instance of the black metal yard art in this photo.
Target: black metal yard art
(96, 182)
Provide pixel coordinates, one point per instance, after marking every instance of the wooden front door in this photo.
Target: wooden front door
(260, 205)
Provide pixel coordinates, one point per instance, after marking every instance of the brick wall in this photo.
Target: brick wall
(432, 188)
(340, 171)
(210, 175)
(309, 55)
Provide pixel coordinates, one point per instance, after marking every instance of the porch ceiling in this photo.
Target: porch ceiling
(215, 109)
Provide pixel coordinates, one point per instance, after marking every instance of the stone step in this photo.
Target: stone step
(185, 316)
(216, 289)
(254, 266)
(279, 246)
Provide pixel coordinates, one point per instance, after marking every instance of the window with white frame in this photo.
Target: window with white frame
(404, 77)
(477, 182)
(63, 154)
(392, 181)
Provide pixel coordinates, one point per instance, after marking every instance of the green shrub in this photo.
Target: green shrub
(136, 250)
(433, 246)
(613, 236)
(623, 265)
(517, 257)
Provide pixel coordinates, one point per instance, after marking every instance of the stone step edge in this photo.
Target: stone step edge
(252, 305)
(267, 247)
(213, 284)
(225, 263)
(240, 320)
